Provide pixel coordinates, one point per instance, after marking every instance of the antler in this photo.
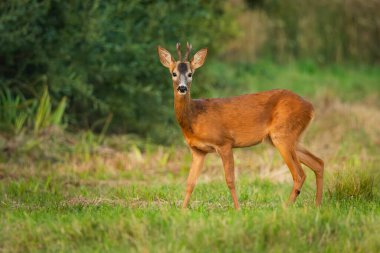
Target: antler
(178, 46)
(188, 45)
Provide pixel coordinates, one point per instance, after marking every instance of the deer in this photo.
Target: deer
(222, 124)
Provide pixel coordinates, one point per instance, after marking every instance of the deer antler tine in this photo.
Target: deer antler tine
(188, 45)
(178, 46)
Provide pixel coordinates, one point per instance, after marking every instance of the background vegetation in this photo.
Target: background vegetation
(101, 55)
(92, 160)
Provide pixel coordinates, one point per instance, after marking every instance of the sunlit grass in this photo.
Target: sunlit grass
(58, 214)
(347, 82)
(81, 192)
(129, 200)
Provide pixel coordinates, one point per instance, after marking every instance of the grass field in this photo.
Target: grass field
(346, 82)
(65, 192)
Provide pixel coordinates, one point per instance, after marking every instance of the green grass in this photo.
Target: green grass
(79, 192)
(43, 211)
(347, 82)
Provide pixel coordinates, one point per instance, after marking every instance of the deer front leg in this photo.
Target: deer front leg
(196, 166)
(227, 157)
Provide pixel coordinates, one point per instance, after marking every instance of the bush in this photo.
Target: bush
(102, 55)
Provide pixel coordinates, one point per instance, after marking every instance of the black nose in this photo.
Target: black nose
(182, 89)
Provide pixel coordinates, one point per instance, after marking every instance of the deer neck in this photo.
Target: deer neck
(182, 108)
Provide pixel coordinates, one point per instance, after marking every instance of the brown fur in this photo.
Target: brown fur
(242, 121)
(221, 124)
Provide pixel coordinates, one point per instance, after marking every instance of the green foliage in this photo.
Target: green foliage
(102, 55)
(324, 31)
(13, 115)
(44, 116)
(18, 115)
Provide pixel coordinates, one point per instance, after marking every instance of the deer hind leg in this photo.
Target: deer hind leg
(289, 155)
(196, 166)
(227, 157)
(316, 165)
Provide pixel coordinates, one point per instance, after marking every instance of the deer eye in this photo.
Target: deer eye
(174, 74)
(190, 74)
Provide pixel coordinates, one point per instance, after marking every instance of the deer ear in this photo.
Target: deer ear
(198, 59)
(165, 57)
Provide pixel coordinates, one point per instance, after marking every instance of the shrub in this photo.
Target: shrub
(102, 55)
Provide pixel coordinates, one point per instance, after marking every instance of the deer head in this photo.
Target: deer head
(182, 70)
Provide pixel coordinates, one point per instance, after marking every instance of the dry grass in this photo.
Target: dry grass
(339, 132)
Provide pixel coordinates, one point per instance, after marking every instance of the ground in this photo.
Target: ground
(79, 192)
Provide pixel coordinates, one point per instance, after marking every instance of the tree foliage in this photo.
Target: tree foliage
(102, 55)
(326, 31)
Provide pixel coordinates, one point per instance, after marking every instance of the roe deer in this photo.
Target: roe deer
(221, 124)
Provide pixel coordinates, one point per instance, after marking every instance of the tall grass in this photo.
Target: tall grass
(45, 116)
(18, 114)
(353, 181)
(13, 112)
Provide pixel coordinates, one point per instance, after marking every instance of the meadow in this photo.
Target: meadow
(70, 191)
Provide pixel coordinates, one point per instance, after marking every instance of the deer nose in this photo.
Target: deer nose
(182, 88)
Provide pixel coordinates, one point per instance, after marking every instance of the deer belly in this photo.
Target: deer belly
(247, 138)
(206, 147)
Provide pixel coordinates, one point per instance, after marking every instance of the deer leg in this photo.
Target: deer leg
(298, 175)
(196, 166)
(227, 157)
(317, 166)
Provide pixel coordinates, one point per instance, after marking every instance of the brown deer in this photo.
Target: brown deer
(221, 124)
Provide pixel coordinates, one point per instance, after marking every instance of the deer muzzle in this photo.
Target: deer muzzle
(182, 89)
